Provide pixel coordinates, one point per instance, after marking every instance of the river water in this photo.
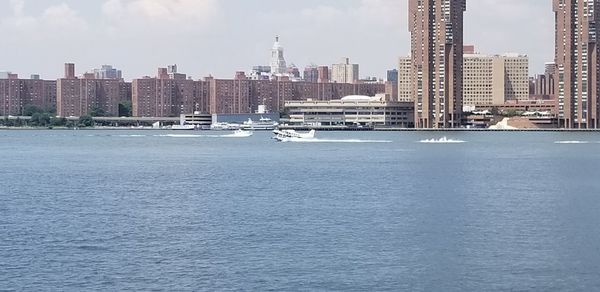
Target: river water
(349, 211)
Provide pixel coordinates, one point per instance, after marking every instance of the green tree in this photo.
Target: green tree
(125, 109)
(40, 120)
(35, 118)
(86, 121)
(30, 110)
(97, 112)
(71, 124)
(58, 122)
(7, 122)
(511, 113)
(496, 111)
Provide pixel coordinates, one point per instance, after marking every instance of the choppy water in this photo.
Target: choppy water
(144, 210)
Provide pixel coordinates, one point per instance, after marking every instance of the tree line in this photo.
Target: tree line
(48, 119)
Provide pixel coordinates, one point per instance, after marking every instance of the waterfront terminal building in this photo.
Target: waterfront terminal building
(351, 111)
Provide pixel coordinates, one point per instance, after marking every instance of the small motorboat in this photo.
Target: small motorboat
(240, 134)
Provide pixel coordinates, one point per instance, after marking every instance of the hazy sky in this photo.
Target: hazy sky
(221, 36)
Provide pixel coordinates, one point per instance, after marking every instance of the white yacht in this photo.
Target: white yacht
(264, 124)
(290, 135)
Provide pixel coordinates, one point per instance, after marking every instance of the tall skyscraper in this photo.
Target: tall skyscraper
(278, 64)
(392, 75)
(577, 62)
(436, 28)
(107, 72)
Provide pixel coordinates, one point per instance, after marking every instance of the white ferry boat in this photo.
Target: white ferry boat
(288, 135)
(264, 124)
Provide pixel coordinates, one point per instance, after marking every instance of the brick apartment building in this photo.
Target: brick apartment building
(16, 94)
(82, 96)
(165, 96)
(168, 95)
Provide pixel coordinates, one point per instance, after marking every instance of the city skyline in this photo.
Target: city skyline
(92, 34)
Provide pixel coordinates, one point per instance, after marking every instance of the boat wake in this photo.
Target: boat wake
(234, 135)
(131, 136)
(574, 142)
(238, 134)
(443, 140)
(316, 140)
(180, 136)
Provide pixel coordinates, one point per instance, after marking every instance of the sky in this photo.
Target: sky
(219, 37)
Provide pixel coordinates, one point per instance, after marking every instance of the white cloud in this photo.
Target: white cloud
(322, 13)
(172, 14)
(17, 7)
(383, 12)
(366, 14)
(18, 19)
(58, 17)
(63, 17)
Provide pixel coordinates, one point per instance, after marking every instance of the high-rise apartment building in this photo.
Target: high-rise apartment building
(16, 94)
(494, 79)
(436, 28)
(170, 94)
(83, 96)
(576, 58)
(404, 77)
(154, 97)
(229, 96)
(516, 76)
(345, 72)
